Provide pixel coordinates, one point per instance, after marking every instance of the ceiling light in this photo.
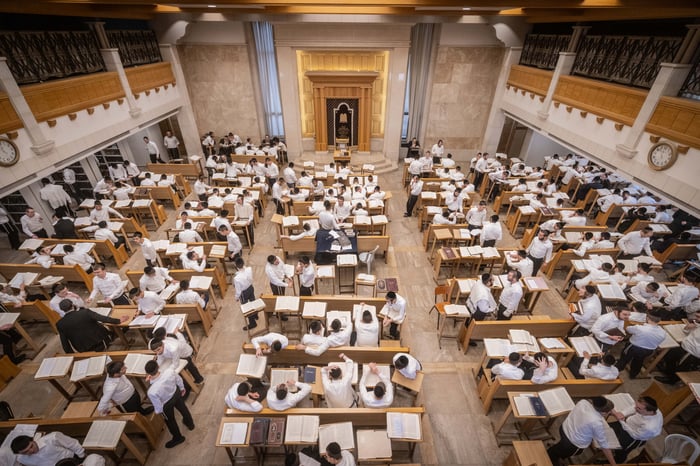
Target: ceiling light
(211, 6)
(466, 8)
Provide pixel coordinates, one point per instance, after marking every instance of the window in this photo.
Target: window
(269, 84)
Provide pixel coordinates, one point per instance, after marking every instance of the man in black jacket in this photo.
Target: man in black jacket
(64, 227)
(81, 329)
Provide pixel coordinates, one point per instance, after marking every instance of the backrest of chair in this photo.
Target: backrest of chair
(678, 447)
(374, 251)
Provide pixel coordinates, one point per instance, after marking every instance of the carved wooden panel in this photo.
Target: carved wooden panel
(57, 98)
(618, 103)
(677, 119)
(9, 120)
(530, 79)
(146, 77)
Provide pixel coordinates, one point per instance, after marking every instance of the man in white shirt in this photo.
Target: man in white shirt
(480, 301)
(54, 194)
(147, 249)
(243, 284)
(591, 307)
(32, 224)
(166, 392)
(132, 172)
(341, 210)
(148, 302)
(147, 180)
(326, 219)
(683, 358)
(282, 398)
(289, 175)
(634, 431)
(509, 369)
(414, 191)
(275, 342)
(155, 279)
(633, 243)
(276, 273)
(244, 212)
(447, 162)
(595, 275)
(103, 232)
(511, 295)
(46, 450)
(491, 232)
(101, 214)
(585, 423)
(117, 172)
(109, 285)
(540, 251)
(394, 313)
(152, 151)
(644, 339)
(188, 235)
(119, 392)
(609, 328)
(605, 202)
(366, 328)
(61, 292)
(407, 365)
(382, 396)
(520, 261)
(476, 216)
(42, 257)
(191, 260)
(603, 370)
(337, 384)
(200, 188)
(681, 297)
(171, 142)
(188, 296)
(545, 368)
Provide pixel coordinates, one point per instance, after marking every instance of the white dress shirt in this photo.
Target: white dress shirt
(633, 244)
(604, 323)
(102, 215)
(598, 371)
(110, 286)
(242, 281)
(644, 427)
(192, 264)
(525, 265)
(511, 295)
(151, 302)
(508, 371)
(540, 249)
(276, 273)
(367, 333)
(53, 448)
(84, 260)
(646, 336)
(55, 195)
(594, 275)
(56, 300)
(157, 282)
(190, 236)
(291, 400)
(315, 344)
(163, 388)
(190, 297)
(369, 399)
(326, 220)
(550, 373)
(149, 252)
(411, 369)
(289, 176)
(396, 311)
(115, 392)
(591, 310)
(339, 393)
(481, 299)
(682, 296)
(269, 339)
(307, 277)
(31, 224)
(584, 424)
(339, 338)
(491, 231)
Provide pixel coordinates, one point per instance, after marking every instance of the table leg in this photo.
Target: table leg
(140, 457)
(502, 421)
(655, 361)
(60, 389)
(84, 384)
(30, 341)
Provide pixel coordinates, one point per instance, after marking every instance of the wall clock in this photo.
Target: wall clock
(662, 155)
(9, 153)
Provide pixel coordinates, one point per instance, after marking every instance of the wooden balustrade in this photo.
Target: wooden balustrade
(530, 79)
(677, 119)
(146, 77)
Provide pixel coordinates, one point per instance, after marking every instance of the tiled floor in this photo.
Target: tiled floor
(456, 431)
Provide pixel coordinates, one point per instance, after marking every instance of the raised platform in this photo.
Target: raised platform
(381, 163)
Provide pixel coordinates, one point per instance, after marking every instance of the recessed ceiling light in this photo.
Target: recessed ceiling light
(211, 6)
(466, 8)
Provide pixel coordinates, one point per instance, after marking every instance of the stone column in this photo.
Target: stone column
(497, 118)
(98, 27)
(289, 92)
(667, 83)
(396, 94)
(185, 116)
(41, 145)
(565, 64)
(114, 63)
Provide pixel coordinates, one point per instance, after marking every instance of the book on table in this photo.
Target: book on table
(175, 248)
(489, 252)
(373, 379)
(54, 367)
(340, 432)
(343, 316)
(88, 367)
(169, 291)
(465, 285)
(449, 253)
(172, 323)
(404, 425)
(365, 277)
(253, 306)
(457, 310)
(290, 221)
(347, 259)
(8, 318)
(475, 250)
(356, 308)
(314, 309)
(258, 431)
(545, 403)
(287, 303)
(325, 271)
(200, 282)
(302, 429)
(552, 343)
(103, 311)
(104, 434)
(309, 375)
(520, 336)
(498, 347)
(379, 220)
(250, 365)
(23, 278)
(49, 280)
(675, 330)
(234, 433)
(280, 376)
(288, 270)
(217, 250)
(161, 244)
(587, 343)
(31, 244)
(275, 431)
(144, 321)
(611, 291)
(623, 402)
(373, 444)
(136, 363)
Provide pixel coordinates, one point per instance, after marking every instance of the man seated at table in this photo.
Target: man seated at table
(684, 293)
(103, 232)
(366, 331)
(590, 306)
(119, 392)
(337, 335)
(604, 369)
(191, 260)
(314, 343)
(274, 341)
(509, 368)
(189, 296)
(242, 397)
(281, 397)
(520, 261)
(684, 358)
(101, 213)
(407, 365)
(61, 292)
(635, 430)
(337, 384)
(48, 449)
(83, 259)
(42, 257)
(188, 235)
(149, 302)
(540, 368)
(382, 395)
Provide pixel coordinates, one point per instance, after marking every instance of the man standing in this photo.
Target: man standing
(171, 142)
(585, 423)
(644, 339)
(394, 312)
(480, 302)
(243, 283)
(634, 431)
(633, 243)
(476, 216)
(8, 226)
(511, 295)
(275, 271)
(166, 392)
(415, 189)
(118, 391)
(109, 285)
(49, 449)
(540, 251)
(54, 194)
(81, 329)
(234, 246)
(491, 232)
(153, 151)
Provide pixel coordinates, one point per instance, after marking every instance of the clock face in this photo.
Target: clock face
(9, 154)
(662, 156)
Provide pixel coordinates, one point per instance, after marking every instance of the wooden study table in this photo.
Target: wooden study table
(525, 424)
(232, 448)
(528, 452)
(687, 378)
(533, 288)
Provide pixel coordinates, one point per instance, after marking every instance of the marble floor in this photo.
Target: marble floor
(456, 430)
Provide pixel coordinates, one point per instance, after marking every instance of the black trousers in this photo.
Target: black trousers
(278, 290)
(176, 402)
(411, 204)
(634, 356)
(246, 296)
(489, 243)
(280, 206)
(41, 233)
(8, 338)
(536, 264)
(192, 369)
(626, 442)
(502, 313)
(306, 290)
(121, 300)
(394, 330)
(132, 405)
(12, 234)
(173, 153)
(677, 360)
(478, 315)
(563, 449)
(155, 158)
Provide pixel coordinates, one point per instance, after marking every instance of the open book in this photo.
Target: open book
(675, 330)
(136, 363)
(340, 432)
(343, 316)
(8, 318)
(556, 401)
(287, 303)
(169, 291)
(498, 347)
(611, 291)
(373, 379)
(252, 306)
(290, 221)
(250, 365)
(404, 426)
(373, 444)
(200, 282)
(54, 367)
(172, 323)
(314, 309)
(456, 309)
(26, 278)
(234, 433)
(302, 429)
(88, 367)
(587, 343)
(104, 434)
(143, 321)
(347, 259)
(31, 244)
(623, 402)
(217, 250)
(325, 271)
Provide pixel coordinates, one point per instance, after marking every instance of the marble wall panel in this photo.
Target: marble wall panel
(221, 89)
(463, 86)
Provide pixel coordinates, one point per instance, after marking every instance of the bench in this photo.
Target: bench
(163, 193)
(335, 302)
(194, 313)
(37, 311)
(70, 273)
(150, 427)
(189, 170)
(359, 354)
(104, 249)
(219, 277)
(577, 388)
(538, 327)
(677, 252)
(360, 417)
(562, 258)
